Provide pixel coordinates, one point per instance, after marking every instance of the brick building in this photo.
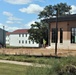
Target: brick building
(66, 32)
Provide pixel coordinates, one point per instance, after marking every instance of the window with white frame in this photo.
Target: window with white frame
(26, 41)
(19, 35)
(22, 35)
(19, 41)
(22, 41)
(26, 35)
(29, 41)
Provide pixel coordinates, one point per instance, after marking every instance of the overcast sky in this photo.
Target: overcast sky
(16, 14)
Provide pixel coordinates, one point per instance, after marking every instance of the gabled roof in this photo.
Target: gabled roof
(8, 33)
(20, 31)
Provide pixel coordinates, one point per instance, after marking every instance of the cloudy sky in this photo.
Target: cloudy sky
(16, 14)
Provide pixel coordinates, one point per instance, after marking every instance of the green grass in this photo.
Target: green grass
(59, 66)
(40, 60)
(10, 69)
(62, 66)
(26, 58)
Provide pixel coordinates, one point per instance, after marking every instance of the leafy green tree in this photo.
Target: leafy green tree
(63, 9)
(49, 11)
(38, 32)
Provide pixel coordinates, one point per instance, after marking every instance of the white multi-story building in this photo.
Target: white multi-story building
(19, 38)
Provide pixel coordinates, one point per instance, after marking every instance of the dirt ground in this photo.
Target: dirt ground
(37, 51)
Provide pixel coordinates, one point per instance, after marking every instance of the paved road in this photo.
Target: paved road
(23, 63)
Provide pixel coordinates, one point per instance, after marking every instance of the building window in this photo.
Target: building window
(61, 35)
(22, 41)
(22, 35)
(26, 35)
(33, 41)
(19, 41)
(26, 41)
(29, 41)
(53, 35)
(73, 35)
(19, 35)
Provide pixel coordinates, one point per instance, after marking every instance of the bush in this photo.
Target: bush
(61, 66)
(68, 70)
(38, 71)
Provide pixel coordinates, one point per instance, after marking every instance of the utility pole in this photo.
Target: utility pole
(56, 32)
(48, 34)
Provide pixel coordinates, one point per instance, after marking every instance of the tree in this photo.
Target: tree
(63, 9)
(38, 32)
(49, 11)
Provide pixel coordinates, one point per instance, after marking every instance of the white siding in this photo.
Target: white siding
(15, 38)
(65, 45)
(7, 40)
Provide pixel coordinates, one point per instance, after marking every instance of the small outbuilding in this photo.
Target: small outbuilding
(2, 37)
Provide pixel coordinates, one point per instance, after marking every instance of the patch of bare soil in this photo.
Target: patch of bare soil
(37, 51)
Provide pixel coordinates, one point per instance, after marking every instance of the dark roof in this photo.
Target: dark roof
(20, 31)
(63, 18)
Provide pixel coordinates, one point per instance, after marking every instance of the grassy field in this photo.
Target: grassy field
(10, 69)
(64, 64)
(35, 59)
(58, 66)
(32, 59)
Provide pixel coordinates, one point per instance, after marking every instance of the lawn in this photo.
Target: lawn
(32, 59)
(11, 69)
(59, 66)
